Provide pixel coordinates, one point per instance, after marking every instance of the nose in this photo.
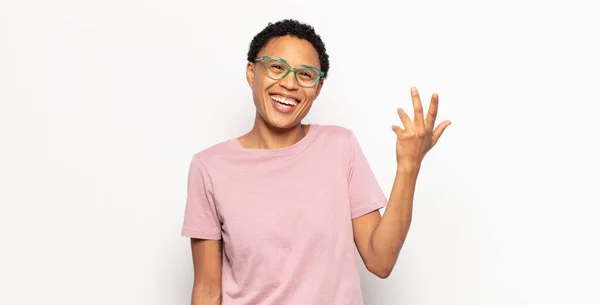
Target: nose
(289, 82)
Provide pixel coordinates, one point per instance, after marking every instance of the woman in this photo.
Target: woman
(274, 215)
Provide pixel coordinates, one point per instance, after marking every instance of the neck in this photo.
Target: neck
(263, 136)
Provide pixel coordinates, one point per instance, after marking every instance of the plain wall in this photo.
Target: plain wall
(103, 103)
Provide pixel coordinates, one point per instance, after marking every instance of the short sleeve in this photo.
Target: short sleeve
(364, 190)
(201, 218)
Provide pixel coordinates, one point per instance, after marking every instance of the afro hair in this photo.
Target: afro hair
(293, 28)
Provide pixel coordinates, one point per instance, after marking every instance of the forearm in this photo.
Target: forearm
(203, 294)
(388, 237)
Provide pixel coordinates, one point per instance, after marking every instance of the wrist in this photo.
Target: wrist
(408, 168)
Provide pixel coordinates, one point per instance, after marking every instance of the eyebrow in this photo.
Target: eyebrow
(310, 66)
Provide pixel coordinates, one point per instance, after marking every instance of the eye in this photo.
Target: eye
(306, 74)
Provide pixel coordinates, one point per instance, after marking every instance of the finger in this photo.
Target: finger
(432, 112)
(408, 124)
(437, 133)
(397, 129)
(418, 106)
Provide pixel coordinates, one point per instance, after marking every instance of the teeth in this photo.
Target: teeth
(287, 101)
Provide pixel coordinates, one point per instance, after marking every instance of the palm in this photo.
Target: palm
(418, 136)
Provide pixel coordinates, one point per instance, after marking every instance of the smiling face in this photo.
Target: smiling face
(282, 104)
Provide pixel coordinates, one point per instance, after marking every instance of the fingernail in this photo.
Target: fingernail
(413, 89)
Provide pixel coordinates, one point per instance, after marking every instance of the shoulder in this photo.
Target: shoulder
(335, 132)
(213, 153)
(338, 136)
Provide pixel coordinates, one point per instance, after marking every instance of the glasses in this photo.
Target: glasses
(277, 69)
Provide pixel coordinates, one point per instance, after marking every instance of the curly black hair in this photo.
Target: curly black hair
(294, 28)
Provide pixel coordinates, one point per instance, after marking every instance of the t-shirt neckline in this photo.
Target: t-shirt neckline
(310, 134)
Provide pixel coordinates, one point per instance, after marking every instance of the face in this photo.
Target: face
(283, 103)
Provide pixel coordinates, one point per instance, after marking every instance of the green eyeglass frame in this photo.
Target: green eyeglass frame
(290, 69)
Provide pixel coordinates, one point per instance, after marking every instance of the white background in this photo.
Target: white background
(103, 104)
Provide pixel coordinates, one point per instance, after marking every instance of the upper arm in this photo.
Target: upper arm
(207, 261)
(363, 227)
(366, 198)
(202, 224)
(201, 218)
(364, 192)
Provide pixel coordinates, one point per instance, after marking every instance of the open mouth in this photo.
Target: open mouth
(284, 102)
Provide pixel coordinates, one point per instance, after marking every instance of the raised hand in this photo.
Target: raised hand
(418, 136)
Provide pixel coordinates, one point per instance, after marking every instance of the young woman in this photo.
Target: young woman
(274, 215)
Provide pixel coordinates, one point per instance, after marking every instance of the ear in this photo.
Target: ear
(319, 86)
(250, 73)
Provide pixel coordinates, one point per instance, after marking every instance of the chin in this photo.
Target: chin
(281, 124)
(278, 120)
(282, 110)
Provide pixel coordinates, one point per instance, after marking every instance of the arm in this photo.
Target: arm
(206, 255)
(379, 239)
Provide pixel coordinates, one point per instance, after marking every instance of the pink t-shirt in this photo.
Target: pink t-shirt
(285, 217)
